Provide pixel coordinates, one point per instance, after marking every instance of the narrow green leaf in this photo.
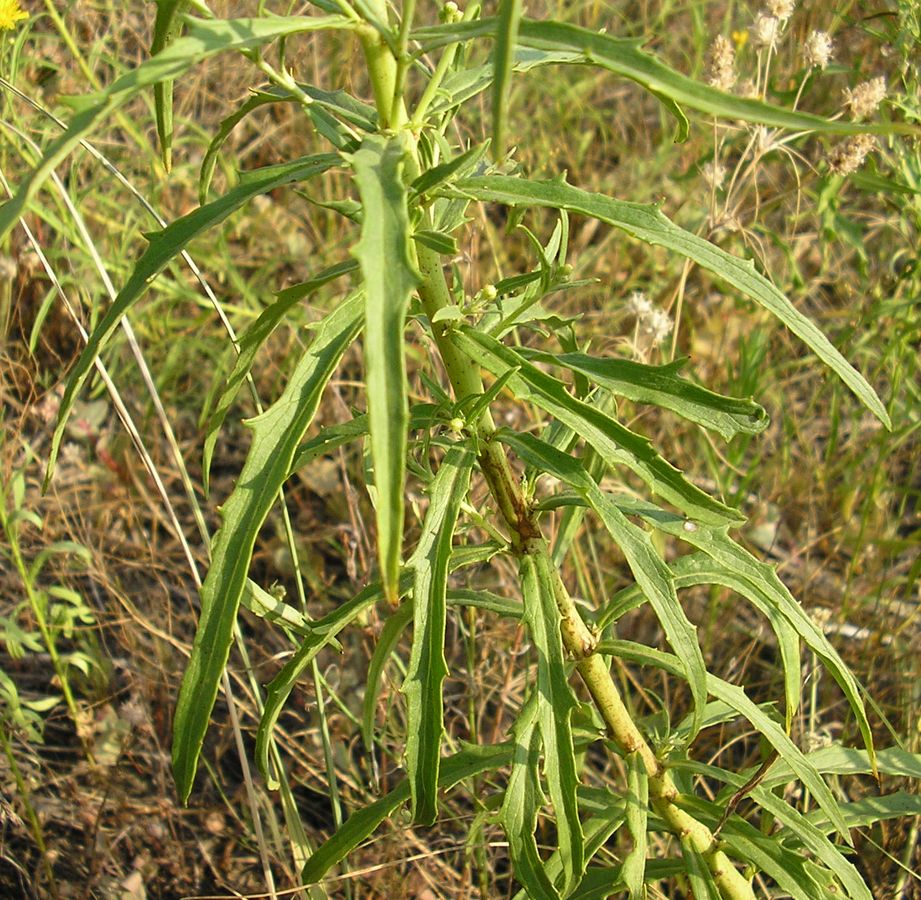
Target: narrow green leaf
(322, 632)
(624, 57)
(661, 386)
(637, 811)
(616, 444)
(427, 666)
(521, 804)
(363, 822)
(503, 56)
(555, 703)
(652, 574)
(166, 27)
(390, 276)
(648, 224)
(740, 701)
(793, 874)
(761, 584)
(798, 826)
(276, 435)
(701, 882)
(164, 246)
(463, 164)
(387, 640)
(250, 342)
(838, 760)
(871, 810)
(340, 103)
(204, 39)
(439, 241)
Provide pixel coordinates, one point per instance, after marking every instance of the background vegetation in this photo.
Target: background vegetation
(97, 595)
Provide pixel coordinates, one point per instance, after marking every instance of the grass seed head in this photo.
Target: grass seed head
(781, 9)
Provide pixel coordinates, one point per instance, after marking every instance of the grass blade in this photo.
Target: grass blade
(648, 224)
(427, 666)
(276, 435)
(205, 39)
(363, 822)
(165, 30)
(322, 632)
(389, 274)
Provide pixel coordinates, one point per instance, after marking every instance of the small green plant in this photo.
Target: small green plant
(48, 617)
(416, 184)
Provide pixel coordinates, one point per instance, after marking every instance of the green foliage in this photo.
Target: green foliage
(416, 184)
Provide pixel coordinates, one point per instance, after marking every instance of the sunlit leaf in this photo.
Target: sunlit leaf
(276, 435)
(390, 276)
(427, 666)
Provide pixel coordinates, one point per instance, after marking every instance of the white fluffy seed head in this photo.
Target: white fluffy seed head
(638, 305)
(865, 99)
(781, 9)
(721, 59)
(766, 31)
(818, 49)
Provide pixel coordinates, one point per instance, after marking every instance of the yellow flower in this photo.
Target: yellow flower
(11, 13)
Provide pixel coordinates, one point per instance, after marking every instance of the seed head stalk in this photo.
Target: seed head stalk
(521, 520)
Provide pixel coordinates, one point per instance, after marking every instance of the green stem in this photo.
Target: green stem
(578, 639)
(38, 835)
(466, 380)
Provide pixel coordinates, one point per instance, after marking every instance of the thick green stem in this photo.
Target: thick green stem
(466, 380)
(578, 639)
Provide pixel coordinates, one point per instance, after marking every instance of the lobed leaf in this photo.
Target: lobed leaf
(276, 435)
(250, 342)
(648, 224)
(389, 274)
(520, 806)
(427, 666)
(636, 808)
(624, 57)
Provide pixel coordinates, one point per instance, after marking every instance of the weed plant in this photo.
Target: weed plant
(490, 431)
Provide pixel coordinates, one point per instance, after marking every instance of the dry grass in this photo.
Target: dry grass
(832, 500)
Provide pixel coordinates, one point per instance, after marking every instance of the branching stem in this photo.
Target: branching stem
(466, 380)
